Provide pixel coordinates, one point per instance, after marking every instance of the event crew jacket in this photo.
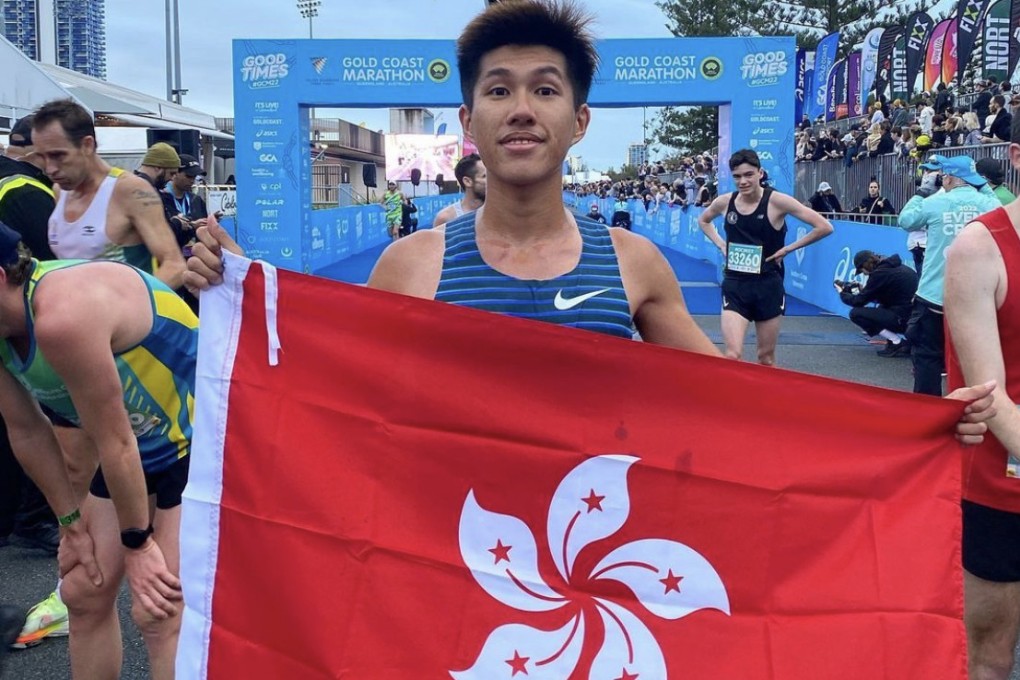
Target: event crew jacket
(26, 202)
(944, 214)
(984, 466)
(891, 284)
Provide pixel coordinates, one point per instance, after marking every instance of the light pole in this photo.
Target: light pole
(309, 9)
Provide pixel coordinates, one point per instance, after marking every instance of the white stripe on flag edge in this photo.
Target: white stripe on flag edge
(200, 514)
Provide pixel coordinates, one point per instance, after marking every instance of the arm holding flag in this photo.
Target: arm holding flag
(971, 283)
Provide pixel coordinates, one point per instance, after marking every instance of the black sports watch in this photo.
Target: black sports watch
(133, 539)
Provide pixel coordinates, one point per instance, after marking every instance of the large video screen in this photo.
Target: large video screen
(431, 154)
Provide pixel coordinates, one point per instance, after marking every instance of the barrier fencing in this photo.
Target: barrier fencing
(896, 176)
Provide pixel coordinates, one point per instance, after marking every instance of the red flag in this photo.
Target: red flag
(418, 490)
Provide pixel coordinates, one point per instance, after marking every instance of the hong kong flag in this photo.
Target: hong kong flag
(390, 488)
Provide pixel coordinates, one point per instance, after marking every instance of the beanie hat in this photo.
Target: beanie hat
(162, 155)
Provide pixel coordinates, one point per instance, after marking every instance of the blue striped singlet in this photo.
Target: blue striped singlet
(590, 297)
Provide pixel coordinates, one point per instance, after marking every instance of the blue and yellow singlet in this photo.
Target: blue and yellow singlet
(157, 374)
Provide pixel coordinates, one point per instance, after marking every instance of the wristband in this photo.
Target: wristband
(68, 520)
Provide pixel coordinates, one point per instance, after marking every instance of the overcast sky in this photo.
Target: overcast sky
(135, 44)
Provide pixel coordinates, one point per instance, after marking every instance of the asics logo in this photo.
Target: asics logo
(561, 303)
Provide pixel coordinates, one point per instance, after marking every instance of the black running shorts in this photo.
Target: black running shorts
(756, 298)
(991, 543)
(167, 484)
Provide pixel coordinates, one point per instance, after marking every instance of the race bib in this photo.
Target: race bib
(743, 258)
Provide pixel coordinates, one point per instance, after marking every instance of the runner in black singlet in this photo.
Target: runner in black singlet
(755, 223)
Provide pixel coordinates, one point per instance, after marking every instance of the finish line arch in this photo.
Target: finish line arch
(276, 82)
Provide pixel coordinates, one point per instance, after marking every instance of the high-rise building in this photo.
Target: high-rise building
(637, 154)
(69, 33)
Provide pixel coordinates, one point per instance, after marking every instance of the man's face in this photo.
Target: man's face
(183, 182)
(475, 184)
(523, 119)
(994, 106)
(747, 178)
(65, 163)
(391, 187)
(594, 209)
(873, 189)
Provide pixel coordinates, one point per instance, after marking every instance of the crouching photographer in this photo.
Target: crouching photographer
(891, 285)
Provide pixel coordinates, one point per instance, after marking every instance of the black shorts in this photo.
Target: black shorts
(756, 298)
(991, 543)
(167, 484)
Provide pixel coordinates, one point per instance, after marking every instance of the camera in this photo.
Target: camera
(851, 287)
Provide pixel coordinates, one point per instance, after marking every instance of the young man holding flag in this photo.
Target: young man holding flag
(526, 69)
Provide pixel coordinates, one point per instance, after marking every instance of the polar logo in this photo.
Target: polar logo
(268, 158)
(764, 68)
(262, 71)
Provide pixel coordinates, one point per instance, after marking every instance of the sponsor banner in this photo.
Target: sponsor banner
(564, 525)
(1014, 42)
(825, 57)
(276, 81)
(898, 84)
(853, 84)
(968, 25)
(832, 91)
(933, 54)
(918, 30)
(883, 74)
(950, 53)
(798, 106)
(869, 61)
(995, 55)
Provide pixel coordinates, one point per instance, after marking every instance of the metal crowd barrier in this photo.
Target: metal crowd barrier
(896, 176)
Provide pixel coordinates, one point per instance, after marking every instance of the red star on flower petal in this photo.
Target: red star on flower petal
(502, 552)
(624, 675)
(671, 582)
(594, 502)
(518, 663)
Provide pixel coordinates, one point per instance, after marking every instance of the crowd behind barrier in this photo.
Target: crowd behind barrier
(896, 176)
(809, 271)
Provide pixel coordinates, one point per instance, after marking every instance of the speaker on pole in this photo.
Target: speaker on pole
(416, 177)
(368, 174)
(439, 180)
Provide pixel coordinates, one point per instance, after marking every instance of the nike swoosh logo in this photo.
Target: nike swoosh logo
(561, 303)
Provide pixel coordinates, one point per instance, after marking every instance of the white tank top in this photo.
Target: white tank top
(458, 208)
(85, 238)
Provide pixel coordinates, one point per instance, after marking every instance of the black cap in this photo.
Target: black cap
(861, 257)
(990, 169)
(9, 240)
(190, 166)
(21, 133)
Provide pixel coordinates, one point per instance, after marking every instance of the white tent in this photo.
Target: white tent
(27, 84)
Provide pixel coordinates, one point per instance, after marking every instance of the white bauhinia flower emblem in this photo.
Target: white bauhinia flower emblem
(667, 578)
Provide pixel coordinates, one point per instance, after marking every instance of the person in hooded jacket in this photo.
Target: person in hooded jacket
(891, 285)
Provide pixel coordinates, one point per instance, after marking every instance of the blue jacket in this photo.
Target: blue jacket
(943, 214)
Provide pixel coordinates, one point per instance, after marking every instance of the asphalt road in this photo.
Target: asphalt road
(829, 346)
